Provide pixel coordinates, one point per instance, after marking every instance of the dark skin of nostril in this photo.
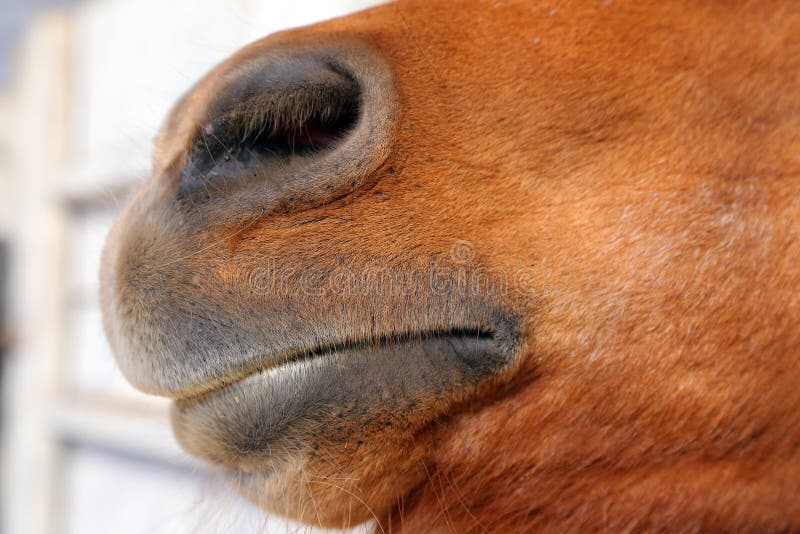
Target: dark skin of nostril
(277, 129)
(266, 119)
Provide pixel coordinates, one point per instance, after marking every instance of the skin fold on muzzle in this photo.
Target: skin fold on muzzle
(483, 266)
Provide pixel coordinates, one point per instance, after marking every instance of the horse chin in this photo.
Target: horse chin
(302, 429)
(332, 492)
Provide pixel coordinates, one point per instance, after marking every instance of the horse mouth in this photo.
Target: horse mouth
(275, 363)
(305, 400)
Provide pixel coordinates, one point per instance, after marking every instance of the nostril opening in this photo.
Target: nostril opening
(317, 129)
(268, 120)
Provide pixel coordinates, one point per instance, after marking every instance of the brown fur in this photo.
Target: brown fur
(640, 163)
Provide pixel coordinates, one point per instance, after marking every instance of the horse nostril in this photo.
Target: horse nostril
(290, 125)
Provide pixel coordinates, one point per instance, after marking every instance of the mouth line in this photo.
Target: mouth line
(275, 361)
(385, 386)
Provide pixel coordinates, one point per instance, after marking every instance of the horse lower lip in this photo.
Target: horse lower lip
(296, 403)
(464, 337)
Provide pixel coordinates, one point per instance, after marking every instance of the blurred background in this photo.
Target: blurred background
(84, 86)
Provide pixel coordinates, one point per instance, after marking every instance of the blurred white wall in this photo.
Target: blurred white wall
(6, 185)
(82, 451)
